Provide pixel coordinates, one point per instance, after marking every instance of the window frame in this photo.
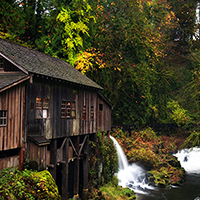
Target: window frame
(3, 117)
(92, 113)
(68, 109)
(42, 108)
(84, 113)
(100, 106)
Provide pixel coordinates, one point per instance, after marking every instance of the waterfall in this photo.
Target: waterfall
(122, 160)
(190, 159)
(131, 176)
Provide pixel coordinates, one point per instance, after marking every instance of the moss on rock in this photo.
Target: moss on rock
(27, 184)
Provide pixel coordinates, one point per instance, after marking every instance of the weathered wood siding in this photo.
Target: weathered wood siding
(63, 127)
(88, 99)
(12, 161)
(33, 125)
(54, 126)
(104, 119)
(12, 100)
(38, 154)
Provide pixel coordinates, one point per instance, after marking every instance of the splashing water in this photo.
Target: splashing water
(190, 159)
(131, 176)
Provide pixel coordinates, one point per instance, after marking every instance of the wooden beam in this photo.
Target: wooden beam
(86, 169)
(65, 170)
(53, 158)
(16, 83)
(21, 159)
(63, 143)
(75, 150)
(17, 65)
(76, 170)
(82, 145)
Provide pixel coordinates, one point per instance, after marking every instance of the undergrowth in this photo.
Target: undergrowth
(152, 152)
(27, 184)
(103, 165)
(111, 191)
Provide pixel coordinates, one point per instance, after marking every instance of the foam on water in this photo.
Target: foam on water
(190, 159)
(131, 176)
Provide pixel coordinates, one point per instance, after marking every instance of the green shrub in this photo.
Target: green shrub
(193, 140)
(177, 114)
(27, 184)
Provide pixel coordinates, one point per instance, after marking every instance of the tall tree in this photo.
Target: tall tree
(12, 23)
(184, 32)
(70, 31)
(131, 36)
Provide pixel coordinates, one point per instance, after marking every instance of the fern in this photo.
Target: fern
(193, 140)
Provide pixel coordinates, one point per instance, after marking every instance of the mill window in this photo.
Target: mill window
(42, 108)
(100, 107)
(3, 117)
(92, 113)
(68, 109)
(84, 113)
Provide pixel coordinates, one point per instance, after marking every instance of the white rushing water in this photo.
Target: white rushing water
(132, 176)
(190, 159)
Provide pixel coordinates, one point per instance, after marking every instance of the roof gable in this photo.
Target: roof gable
(10, 79)
(32, 61)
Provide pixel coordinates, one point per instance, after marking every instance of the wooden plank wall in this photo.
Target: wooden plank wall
(38, 154)
(33, 125)
(87, 98)
(104, 119)
(107, 119)
(9, 162)
(12, 100)
(57, 127)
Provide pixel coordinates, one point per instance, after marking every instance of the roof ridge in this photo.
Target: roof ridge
(34, 61)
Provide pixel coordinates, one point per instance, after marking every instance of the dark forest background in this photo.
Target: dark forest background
(145, 54)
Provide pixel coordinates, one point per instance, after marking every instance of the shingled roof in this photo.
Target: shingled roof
(11, 78)
(32, 61)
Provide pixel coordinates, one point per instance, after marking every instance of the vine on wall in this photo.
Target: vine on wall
(103, 160)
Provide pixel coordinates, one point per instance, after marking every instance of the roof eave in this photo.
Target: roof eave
(14, 84)
(66, 81)
(17, 65)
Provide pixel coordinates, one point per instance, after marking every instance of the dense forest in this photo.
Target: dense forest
(145, 54)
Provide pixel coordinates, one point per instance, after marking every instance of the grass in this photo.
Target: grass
(111, 192)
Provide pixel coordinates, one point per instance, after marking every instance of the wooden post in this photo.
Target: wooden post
(53, 158)
(76, 169)
(21, 158)
(85, 169)
(65, 171)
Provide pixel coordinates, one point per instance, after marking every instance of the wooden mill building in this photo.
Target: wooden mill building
(48, 112)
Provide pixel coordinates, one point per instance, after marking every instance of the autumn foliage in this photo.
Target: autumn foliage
(143, 53)
(153, 152)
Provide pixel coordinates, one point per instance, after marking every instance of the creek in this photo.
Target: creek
(134, 177)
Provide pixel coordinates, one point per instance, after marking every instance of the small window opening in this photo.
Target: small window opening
(42, 108)
(3, 117)
(68, 109)
(100, 107)
(92, 113)
(84, 113)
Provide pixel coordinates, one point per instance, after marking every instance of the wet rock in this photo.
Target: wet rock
(173, 161)
(161, 185)
(139, 188)
(150, 178)
(185, 159)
